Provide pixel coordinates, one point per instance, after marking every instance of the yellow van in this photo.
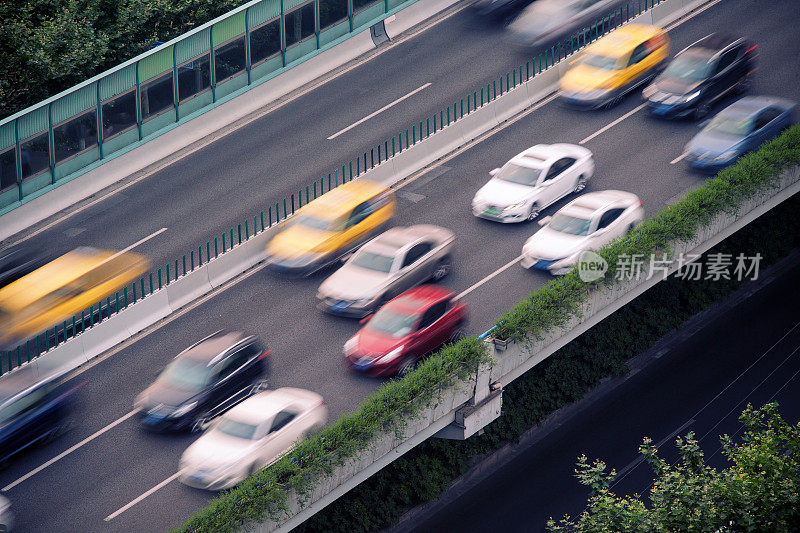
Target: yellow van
(614, 65)
(63, 288)
(331, 227)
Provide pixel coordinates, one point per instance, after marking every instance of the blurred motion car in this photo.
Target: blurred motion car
(741, 127)
(63, 287)
(17, 261)
(532, 180)
(701, 74)
(588, 222)
(548, 20)
(251, 436)
(6, 515)
(404, 330)
(499, 10)
(203, 381)
(396, 260)
(32, 409)
(331, 227)
(614, 65)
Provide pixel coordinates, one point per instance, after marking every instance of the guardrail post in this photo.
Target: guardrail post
(434, 124)
(393, 146)
(184, 263)
(262, 212)
(240, 228)
(223, 246)
(246, 230)
(351, 170)
(428, 128)
(299, 198)
(124, 293)
(134, 300)
(413, 134)
(284, 216)
(159, 276)
(379, 156)
(191, 255)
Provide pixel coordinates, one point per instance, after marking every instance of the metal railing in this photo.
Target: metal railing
(356, 167)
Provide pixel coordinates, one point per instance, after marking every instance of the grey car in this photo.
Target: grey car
(389, 264)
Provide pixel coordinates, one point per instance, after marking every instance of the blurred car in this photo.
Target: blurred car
(6, 515)
(588, 222)
(251, 436)
(404, 330)
(547, 20)
(614, 65)
(699, 75)
(203, 381)
(32, 409)
(532, 180)
(396, 260)
(332, 226)
(739, 128)
(17, 261)
(499, 10)
(63, 287)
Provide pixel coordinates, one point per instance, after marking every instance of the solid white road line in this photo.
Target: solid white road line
(69, 450)
(612, 124)
(633, 464)
(384, 108)
(124, 508)
(490, 276)
(132, 246)
(679, 158)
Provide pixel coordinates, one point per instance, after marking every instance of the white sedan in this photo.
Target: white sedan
(586, 223)
(532, 180)
(251, 436)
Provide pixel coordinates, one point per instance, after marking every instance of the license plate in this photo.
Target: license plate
(341, 305)
(493, 211)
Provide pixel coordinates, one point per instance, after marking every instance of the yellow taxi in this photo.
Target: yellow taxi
(63, 288)
(614, 65)
(331, 227)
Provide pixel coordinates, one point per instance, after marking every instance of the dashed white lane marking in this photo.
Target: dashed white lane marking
(614, 123)
(127, 506)
(490, 276)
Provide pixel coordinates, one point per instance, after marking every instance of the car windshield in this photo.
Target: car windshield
(519, 174)
(602, 62)
(737, 126)
(689, 67)
(392, 323)
(318, 223)
(373, 261)
(567, 224)
(237, 429)
(12, 408)
(185, 374)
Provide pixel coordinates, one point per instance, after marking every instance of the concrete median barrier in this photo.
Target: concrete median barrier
(512, 103)
(64, 358)
(145, 312)
(242, 257)
(187, 288)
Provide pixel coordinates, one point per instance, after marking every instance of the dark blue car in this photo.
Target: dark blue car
(739, 128)
(31, 409)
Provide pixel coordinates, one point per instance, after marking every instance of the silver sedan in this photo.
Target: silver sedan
(391, 263)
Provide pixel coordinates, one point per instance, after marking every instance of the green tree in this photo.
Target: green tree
(759, 491)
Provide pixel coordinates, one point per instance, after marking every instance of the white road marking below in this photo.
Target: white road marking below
(69, 450)
(381, 110)
(679, 158)
(411, 196)
(127, 506)
(614, 123)
(490, 276)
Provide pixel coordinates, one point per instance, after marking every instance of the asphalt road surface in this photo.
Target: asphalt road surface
(748, 354)
(111, 463)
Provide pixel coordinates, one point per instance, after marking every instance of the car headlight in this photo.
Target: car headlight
(183, 409)
(350, 345)
(394, 354)
(514, 206)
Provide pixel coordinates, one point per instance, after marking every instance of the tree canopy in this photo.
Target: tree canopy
(758, 491)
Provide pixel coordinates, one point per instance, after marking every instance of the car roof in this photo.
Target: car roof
(623, 40)
(415, 300)
(750, 105)
(397, 237)
(208, 349)
(341, 200)
(22, 380)
(587, 205)
(265, 405)
(539, 156)
(712, 43)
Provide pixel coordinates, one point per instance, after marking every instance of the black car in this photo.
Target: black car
(32, 409)
(701, 74)
(204, 381)
(18, 261)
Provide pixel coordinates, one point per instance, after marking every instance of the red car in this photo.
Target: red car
(405, 329)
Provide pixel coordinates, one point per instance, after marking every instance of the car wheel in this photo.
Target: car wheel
(534, 212)
(201, 423)
(442, 269)
(408, 364)
(458, 333)
(580, 184)
(701, 110)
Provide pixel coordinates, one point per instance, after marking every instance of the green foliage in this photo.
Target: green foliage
(759, 491)
(47, 46)
(563, 378)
